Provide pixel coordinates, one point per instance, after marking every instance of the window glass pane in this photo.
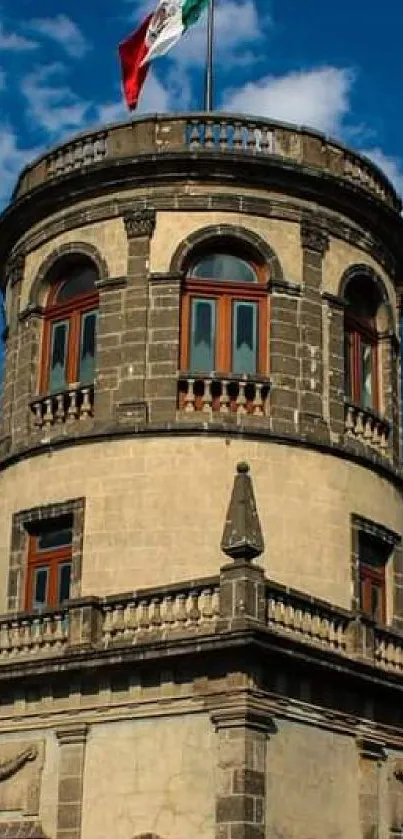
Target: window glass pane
(367, 396)
(63, 583)
(224, 267)
(47, 540)
(202, 335)
(80, 281)
(244, 337)
(87, 347)
(40, 588)
(376, 602)
(58, 356)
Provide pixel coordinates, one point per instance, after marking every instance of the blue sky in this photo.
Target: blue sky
(335, 67)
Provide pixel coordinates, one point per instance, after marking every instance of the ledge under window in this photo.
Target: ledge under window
(223, 393)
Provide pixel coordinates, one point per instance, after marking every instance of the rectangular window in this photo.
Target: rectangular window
(244, 337)
(49, 565)
(58, 356)
(87, 347)
(202, 335)
(372, 564)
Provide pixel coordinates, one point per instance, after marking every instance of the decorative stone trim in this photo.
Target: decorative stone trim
(334, 300)
(279, 286)
(14, 271)
(168, 277)
(313, 237)
(72, 741)
(23, 523)
(359, 270)
(206, 235)
(139, 223)
(78, 248)
(111, 283)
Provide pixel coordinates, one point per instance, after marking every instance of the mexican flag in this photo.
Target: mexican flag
(155, 37)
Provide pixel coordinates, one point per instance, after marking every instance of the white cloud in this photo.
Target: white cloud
(54, 108)
(12, 159)
(65, 32)
(12, 42)
(155, 96)
(317, 98)
(391, 166)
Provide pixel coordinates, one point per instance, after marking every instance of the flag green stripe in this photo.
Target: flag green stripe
(191, 11)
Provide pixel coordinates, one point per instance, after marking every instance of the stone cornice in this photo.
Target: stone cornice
(337, 195)
(334, 226)
(350, 451)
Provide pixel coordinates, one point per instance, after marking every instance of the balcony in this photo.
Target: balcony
(192, 614)
(199, 134)
(366, 426)
(225, 395)
(76, 403)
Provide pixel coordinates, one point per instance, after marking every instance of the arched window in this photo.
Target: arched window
(361, 342)
(224, 312)
(69, 340)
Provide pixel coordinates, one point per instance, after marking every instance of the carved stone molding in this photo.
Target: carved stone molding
(11, 766)
(243, 715)
(72, 734)
(139, 223)
(314, 238)
(21, 766)
(15, 269)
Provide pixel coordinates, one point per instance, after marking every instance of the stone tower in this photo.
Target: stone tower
(201, 504)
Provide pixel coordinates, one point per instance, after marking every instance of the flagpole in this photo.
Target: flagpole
(208, 92)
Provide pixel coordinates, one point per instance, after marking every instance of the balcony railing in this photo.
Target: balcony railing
(197, 610)
(362, 424)
(225, 395)
(205, 133)
(67, 406)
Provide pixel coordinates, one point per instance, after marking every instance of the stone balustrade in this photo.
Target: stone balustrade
(28, 635)
(362, 424)
(206, 133)
(78, 154)
(67, 406)
(306, 619)
(194, 610)
(176, 609)
(226, 395)
(388, 648)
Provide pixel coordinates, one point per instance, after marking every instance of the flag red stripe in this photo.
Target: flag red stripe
(132, 51)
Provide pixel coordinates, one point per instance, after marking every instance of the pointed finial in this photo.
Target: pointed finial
(242, 537)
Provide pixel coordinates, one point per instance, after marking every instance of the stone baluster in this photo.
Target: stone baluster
(359, 424)
(193, 607)
(4, 640)
(224, 398)
(349, 421)
(59, 413)
(181, 613)
(36, 633)
(207, 398)
(241, 400)
(251, 137)
(155, 613)
(258, 406)
(223, 135)
(38, 420)
(168, 616)
(72, 410)
(86, 408)
(118, 621)
(238, 140)
(48, 415)
(107, 624)
(205, 605)
(367, 421)
(143, 618)
(194, 138)
(209, 135)
(189, 399)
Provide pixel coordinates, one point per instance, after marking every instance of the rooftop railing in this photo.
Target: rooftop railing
(200, 133)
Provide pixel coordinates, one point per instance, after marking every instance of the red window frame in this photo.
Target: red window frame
(358, 333)
(373, 577)
(225, 294)
(51, 559)
(72, 310)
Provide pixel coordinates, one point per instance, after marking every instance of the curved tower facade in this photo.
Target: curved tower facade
(192, 298)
